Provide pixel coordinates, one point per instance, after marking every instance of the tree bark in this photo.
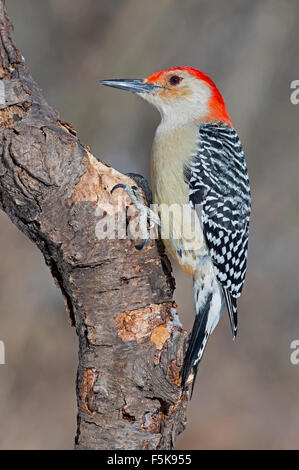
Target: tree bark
(119, 299)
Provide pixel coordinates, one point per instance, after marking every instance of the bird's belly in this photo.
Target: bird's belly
(182, 236)
(181, 229)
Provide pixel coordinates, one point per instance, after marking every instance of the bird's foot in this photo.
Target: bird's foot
(146, 215)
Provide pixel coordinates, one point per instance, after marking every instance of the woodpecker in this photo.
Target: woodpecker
(197, 160)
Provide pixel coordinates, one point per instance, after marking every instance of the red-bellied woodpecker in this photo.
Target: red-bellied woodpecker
(197, 160)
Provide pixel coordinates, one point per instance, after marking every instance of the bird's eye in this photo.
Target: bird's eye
(175, 80)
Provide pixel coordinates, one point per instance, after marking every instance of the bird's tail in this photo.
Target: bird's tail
(208, 306)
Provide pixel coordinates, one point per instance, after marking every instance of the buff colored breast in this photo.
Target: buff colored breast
(180, 227)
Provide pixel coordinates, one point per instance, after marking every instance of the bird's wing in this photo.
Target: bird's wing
(218, 182)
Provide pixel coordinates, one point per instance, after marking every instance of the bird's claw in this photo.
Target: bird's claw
(139, 246)
(123, 186)
(145, 213)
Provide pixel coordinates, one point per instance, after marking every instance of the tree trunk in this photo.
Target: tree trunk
(119, 299)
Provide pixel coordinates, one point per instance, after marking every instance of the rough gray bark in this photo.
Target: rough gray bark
(118, 298)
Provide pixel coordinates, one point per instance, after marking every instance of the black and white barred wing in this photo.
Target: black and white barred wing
(218, 181)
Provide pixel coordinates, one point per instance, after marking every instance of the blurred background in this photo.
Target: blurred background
(247, 392)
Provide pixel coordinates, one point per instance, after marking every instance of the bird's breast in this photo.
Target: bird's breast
(180, 225)
(171, 151)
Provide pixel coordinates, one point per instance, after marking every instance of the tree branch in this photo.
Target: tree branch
(119, 299)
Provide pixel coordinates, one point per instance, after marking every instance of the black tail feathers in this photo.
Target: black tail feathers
(198, 340)
(231, 303)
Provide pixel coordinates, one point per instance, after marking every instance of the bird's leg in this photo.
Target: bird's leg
(145, 213)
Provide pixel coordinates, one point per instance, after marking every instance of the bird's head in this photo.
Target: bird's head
(181, 94)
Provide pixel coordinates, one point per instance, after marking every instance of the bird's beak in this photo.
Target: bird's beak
(131, 84)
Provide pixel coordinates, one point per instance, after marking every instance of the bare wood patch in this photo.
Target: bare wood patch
(86, 390)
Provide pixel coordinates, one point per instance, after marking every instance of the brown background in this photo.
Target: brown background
(247, 392)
